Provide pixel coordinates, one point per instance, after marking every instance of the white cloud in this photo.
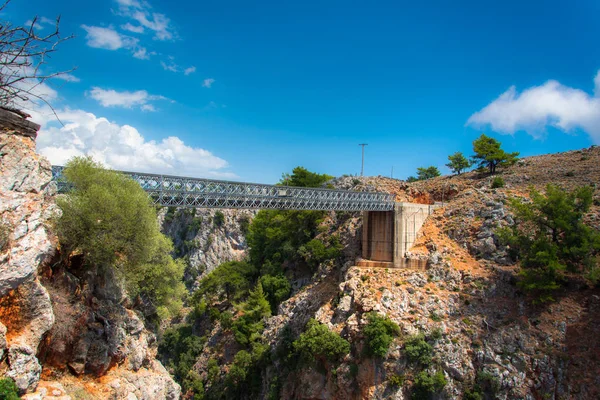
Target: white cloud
(142, 53)
(140, 12)
(41, 23)
(104, 38)
(189, 70)
(125, 99)
(68, 78)
(171, 66)
(132, 28)
(207, 83)
(109, 39)
(123, 147)
(551, 104)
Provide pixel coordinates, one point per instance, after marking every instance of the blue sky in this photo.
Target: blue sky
(249, 90)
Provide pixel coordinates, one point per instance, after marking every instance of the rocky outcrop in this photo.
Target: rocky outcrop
(25, 308)
(206, 237)
(487, 338)
(67, 323)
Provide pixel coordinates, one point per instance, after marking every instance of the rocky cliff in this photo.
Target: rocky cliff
(63, 333)
(205, 238)
(485, 337)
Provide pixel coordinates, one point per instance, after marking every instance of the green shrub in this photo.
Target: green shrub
(276, 236)
(219, 219)
(276, 288)
(8, 389)
(497, 182)
(426, 385)
(355, 182)
(195, 225)
(170, 214)
(488, 382)
(244, 377)
(110, 219)
(435, 316)
(231, 279)
(418, 350)
(318, 342)
(474, 393)
(396, 380)
(248, 327)
(178, 350)
(379, 332)
(549, 237)
(193, 384)
(316, 251)
(244, 222)
(226, 319)
(436, 334)
(213, 370)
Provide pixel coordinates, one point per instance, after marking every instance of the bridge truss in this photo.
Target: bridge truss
(176, 191)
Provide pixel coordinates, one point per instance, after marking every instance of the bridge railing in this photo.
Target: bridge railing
(167, 190)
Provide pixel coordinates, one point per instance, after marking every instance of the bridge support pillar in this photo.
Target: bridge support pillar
(389, 235)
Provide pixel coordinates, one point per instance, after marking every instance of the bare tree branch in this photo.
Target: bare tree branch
(23, 54)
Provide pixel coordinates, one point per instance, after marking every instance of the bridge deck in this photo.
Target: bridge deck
(176, 191)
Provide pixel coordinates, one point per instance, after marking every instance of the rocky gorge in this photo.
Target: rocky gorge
(73, 333)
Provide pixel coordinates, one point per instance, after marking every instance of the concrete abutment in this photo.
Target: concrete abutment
(388, 235)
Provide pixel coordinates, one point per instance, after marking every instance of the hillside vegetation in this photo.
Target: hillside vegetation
(469, 325)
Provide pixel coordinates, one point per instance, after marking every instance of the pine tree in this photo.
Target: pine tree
(257, 306)
(550, 237)
(427, 173)
(458, 162)
(489, 154)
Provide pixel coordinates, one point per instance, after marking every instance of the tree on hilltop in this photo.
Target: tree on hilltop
(424, 173)
(458, 163)
(488, 154)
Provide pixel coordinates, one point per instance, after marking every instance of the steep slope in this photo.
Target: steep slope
(206, 238)
(487, 338)
(62, 333)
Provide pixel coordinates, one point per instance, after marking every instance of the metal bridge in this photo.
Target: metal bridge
(177, 191)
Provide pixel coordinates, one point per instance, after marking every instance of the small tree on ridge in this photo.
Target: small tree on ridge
(458, 163)
(488, 154)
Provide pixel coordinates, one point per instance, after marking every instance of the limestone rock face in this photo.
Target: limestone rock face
(203, 239)
(25, 308)
(76, 322)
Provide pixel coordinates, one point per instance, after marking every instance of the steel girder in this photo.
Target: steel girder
(175, 191)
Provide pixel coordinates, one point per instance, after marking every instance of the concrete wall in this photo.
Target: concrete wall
(387, 236)
(378, 235)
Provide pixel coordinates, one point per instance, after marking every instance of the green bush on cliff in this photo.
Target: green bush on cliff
(318, 342)
(276, 236)
(426, 385)
(379, 333)
(109, 219)
(8, 389)
(418, 350)
(178, 350)
(230, 280)
(549, 238)
(249, 325)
